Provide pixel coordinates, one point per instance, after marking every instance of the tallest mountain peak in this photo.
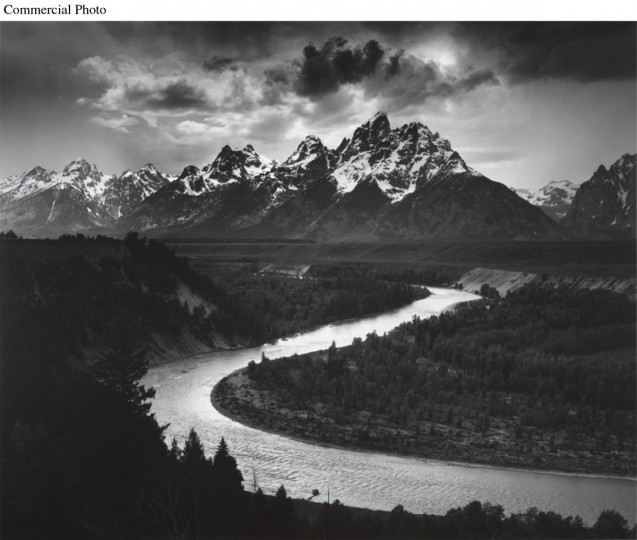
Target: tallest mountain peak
(379, 123)
(379, 114)
(369, 134)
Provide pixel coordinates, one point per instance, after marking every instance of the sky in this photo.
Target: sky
(523, 103)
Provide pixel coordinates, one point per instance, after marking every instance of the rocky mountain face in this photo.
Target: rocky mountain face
(554, 198)
(80, 198)
(44, 202)
(130, 188)
(381, 183)
(405, 183)
(605, 205)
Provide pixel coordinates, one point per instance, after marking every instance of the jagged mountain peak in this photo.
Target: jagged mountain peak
(398, 160)
(228, 165)
(308, 149)
(554, 198)
(32, 181)
(150, 168)
(624, 165)
(424, 138)
(37, 170)
(617, 174)
(369, 134)
(80, 167)
(131, 188)
(147, 171)
(256, 163)
(379, 123)
(626, 159)
(605, 204)
(85, 176)
(237, 164)
(600, 172)
(189, 170)
(312, 140)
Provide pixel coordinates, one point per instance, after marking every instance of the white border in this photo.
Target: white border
(336, 10)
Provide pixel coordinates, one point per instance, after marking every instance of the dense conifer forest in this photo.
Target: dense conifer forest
(81, 454)
(284, 304)
(544, 378)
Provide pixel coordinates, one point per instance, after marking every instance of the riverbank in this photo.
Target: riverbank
(236, 397)
(372, 480)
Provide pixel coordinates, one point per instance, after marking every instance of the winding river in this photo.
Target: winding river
(356, 478)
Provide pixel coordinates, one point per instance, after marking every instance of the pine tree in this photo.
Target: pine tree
(222, 453)
(226, 470)
(123, 365)
(175, 452)
(193, 452)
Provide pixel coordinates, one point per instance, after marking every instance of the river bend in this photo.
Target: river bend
(358, 478)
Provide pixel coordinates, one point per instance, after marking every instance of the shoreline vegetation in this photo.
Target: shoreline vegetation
(224, 398)
(541, 380)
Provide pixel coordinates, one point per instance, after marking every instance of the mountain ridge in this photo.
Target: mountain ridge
(382, 183)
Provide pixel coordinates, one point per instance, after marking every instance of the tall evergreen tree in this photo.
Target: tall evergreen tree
(193, 452)
(123, 364)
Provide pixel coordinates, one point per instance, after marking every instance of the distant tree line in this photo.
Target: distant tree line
(280, 305)
(9, 235)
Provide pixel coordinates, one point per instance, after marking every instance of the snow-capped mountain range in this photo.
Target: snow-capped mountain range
(554, 198)
(381, 183)
(81, 197)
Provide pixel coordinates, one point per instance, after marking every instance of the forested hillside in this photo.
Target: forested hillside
(286, 304)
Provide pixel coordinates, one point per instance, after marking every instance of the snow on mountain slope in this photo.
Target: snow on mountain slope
(81, 197)
(16, 187)
(406, 182)
(554, 199)
(398, 160)
(131, 188)
(403, 183)
(83, 175)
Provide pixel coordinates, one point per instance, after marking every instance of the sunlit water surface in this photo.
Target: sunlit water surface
(365, 479)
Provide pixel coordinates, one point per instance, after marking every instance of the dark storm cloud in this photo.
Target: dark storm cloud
(409, 80)
(394, 63)
(175, 95)
(279, 75)
(585, 52)
(220, 63)
(324, 70)
(477, 78)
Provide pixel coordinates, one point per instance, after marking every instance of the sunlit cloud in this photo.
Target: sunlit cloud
(121, 123)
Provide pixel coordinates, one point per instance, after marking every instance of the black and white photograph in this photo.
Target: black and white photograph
(316, 279)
